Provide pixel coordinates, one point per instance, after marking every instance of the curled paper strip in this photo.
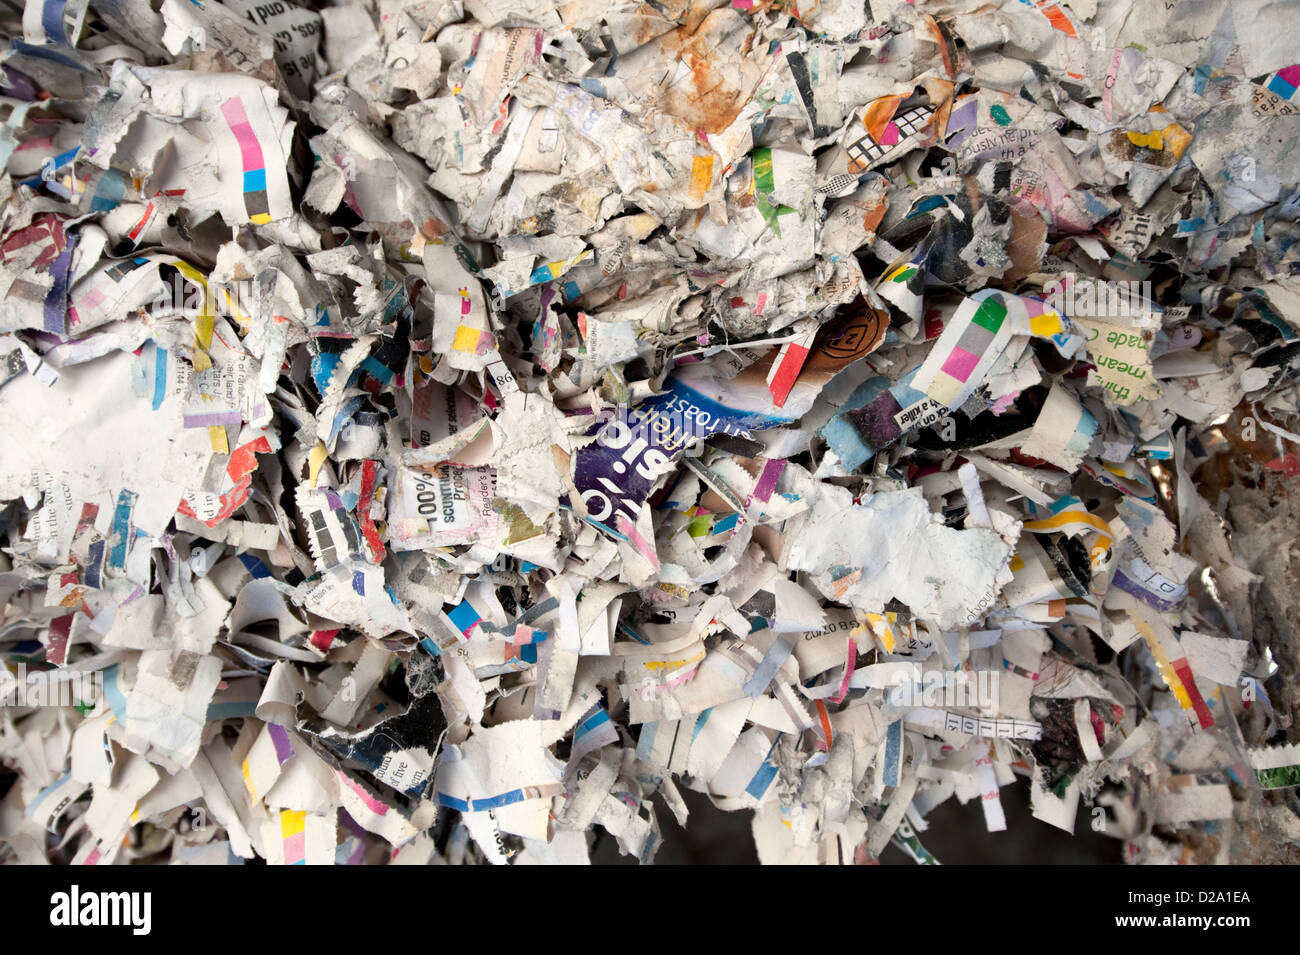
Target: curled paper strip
(452, 433)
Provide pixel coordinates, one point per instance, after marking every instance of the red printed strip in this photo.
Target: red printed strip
(134, 234)
(827, 736)
(1019, 670)
(323, 640)
(86, 523)
(243, 462)
(1172, 664)
(1203, 715)
(786, 368)
(60, 631)
(369, 478)
(1059, 20)
(995, 819)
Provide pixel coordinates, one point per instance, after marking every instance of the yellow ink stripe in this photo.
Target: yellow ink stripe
(1046, 325)
(466, 339)
(880, 627)
(248, 782)
(204, 321)
(292, 822)
(701, 176)
(675, 664)
(1151, 140)
(314, 462)
(1057, 521)
(1162, 662)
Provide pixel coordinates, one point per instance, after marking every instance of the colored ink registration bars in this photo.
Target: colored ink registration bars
(250, 151)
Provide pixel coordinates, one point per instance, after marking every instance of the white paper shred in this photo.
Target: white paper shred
(450, 433)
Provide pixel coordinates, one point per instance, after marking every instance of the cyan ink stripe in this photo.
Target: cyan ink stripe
(159, 376)
(121, 529)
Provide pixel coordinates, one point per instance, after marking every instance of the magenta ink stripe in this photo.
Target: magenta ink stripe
(767, 479)
(249, 148)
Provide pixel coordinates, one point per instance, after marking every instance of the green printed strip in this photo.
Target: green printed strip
(1283, 777)
(764, 183)
(911, 845)
(990, 314)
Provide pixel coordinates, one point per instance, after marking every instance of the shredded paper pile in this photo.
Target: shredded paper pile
(460, 431)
